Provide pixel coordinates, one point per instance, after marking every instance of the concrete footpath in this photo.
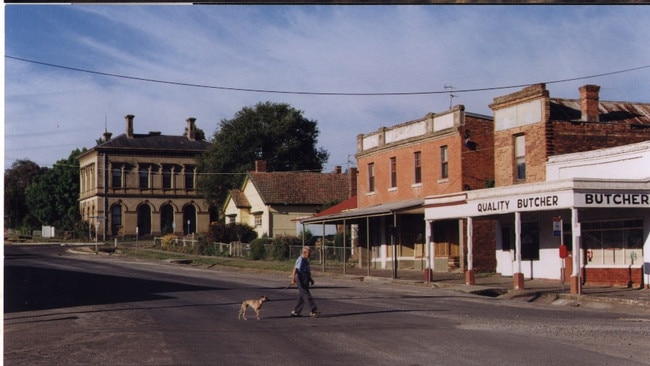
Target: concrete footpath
(494, 285)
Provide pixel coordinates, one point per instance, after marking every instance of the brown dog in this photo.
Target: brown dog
(254, 304)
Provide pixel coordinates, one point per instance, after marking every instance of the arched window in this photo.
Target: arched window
(144, 220)
(116, 219)
(166, 219)
(189, 219)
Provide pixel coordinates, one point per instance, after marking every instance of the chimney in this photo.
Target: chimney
(129, 125)
(337, 169)
(589, 103)
(260, 166)
(107, 136)
(191, 129)
(353, 181)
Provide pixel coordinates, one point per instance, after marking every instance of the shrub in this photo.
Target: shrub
(226, 233)
(258, 251)
(281, 245)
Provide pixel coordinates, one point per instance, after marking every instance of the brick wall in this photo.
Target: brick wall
(569, 137)
(504, 155)
(627, 277)
(477, 156)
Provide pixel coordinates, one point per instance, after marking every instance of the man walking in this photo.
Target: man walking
(301, 276)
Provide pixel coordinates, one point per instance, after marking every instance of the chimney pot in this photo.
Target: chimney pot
(589, 103)
(337, 169)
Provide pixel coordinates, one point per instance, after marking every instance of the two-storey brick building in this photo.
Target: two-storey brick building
(401, 165)
(540, 203)
(143, 184)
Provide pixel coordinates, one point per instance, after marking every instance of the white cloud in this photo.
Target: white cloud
(358, 49)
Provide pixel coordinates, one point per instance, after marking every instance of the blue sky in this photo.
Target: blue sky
(340, 49)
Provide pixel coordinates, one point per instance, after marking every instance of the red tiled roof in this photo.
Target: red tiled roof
(300, 188)
(239, 198)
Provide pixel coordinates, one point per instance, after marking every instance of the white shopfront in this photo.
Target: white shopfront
(607, 221)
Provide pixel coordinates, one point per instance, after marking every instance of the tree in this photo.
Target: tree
(21, 174)
(53, 196)
(276, 133)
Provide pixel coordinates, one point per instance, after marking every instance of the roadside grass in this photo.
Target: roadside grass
(209, 261)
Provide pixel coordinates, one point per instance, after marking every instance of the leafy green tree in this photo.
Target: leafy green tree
(21, 174)
(276, 133)
(53, 196)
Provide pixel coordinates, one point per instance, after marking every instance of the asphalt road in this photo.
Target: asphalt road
(64, 309)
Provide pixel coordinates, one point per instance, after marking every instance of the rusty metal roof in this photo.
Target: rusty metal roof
(612, 112)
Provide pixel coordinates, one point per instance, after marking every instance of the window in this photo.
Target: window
(520, 157)
(258, 220)
(232, 219)
(393, 172)
(417, 163)
(371, 177)
(144, 177)
(444, 162)
(116, 177)
(167, 177)
(189, 177)
(613, 242)
(116, 219)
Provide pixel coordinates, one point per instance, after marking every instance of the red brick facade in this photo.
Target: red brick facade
(467, 141)
(559, 126)
(626, 277)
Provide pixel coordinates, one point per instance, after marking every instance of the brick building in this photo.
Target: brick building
(401, 165)
(552, 157)
(143, 184)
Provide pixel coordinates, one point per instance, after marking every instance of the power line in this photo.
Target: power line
(273, 91)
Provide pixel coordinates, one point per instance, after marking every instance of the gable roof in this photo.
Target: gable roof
(239, 198)
(635, 114)
(300, 188)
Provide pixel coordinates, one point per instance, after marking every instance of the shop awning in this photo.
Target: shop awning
(414, 206)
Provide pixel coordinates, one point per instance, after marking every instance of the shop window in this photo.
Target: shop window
(613, 242)
(530, 241)
(417, 163)
(393, 172)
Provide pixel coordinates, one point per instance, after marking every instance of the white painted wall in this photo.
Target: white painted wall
(623, 162)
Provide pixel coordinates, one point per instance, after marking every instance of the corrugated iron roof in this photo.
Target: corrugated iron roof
(612, 112)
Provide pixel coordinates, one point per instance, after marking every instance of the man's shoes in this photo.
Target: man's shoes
(314, 314)
(295, 315)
